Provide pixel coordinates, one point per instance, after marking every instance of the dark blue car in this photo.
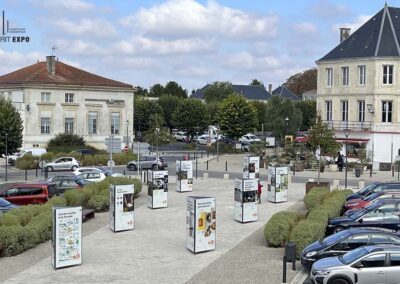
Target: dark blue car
(6, 206)
(381, 214)
(344, 241)
(374, 187)
(364, 191)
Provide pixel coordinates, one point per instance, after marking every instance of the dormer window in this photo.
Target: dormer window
(387, 74)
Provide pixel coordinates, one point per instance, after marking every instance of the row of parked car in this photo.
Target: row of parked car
(363, 245)
(40, 192)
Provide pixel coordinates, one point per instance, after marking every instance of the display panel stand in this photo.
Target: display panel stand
(184, 176)
(158, 190)
(122, 207)
(277, 184)
(245, 200)
(251, 168)
(201, 218)
(67, 236)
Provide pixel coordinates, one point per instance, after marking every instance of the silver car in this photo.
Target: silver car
(62, 164)
(365, 265)
(148, 162)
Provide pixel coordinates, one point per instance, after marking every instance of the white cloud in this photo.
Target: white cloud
(87, 27)
(357, 23)
(143, 45)
(188, 18)
(11, 61)
(65, 5)
(305, 28)
(80, 47)
(326, 9)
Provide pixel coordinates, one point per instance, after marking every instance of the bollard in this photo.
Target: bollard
(226, 176)
(392, 170)
(294, 169)
(205, 175)
(226, 166)
(201, 154)
(284, 270)
(46, 173)
(290, 253)
(26, 174)
(398, 171)
(196, 167)
(370, 172)
(124, 173)
(208, 154)
(207, 165)
(335, 184)
(36, 171)
(361, 184)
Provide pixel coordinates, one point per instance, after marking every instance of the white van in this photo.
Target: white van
(34, 152)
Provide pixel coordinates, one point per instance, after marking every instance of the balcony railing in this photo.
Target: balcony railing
(352, 125)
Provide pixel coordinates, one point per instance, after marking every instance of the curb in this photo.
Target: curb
(300, 277)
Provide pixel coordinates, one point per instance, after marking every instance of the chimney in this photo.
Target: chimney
(270, 88)
(344, 33)
(51, 64)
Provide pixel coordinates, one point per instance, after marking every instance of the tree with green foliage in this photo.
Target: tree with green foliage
(141, 92)
(174, 89)
(277, 110)
(190, 116)
(303, 81)
(10, 125)
(322, 136)
(157, 134)
(261, 109)
(169, 104)
(156, 91)
(143, 109)
(218, 91)
(211, 115)
(309, 112)
(256, 82)
(237, 117)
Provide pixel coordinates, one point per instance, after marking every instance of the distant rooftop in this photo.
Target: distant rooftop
(250, 92)
(284, 92)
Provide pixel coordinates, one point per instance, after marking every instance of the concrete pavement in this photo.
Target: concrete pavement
(155, 251)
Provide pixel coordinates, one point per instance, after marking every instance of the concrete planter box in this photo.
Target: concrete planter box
(310, 185)
(333, 168)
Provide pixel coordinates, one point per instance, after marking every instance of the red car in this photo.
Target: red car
(359, 203)
(29, 193)
(302, 139)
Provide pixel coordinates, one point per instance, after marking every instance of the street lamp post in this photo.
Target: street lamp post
(346, 133)
(287, 125)
(6, 154)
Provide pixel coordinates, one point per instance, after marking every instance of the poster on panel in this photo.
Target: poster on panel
(67, 236)
(158, 190)
(277, 184)
(251, 167)
(245, 207)
(184, 172)
(122, 207)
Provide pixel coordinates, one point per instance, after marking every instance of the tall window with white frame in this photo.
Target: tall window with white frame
(69, 97)
(387, 111)
(115, 122)
(361, 113)
(329, 77)
(92, 122)
(45, 97)
(387, 78)
(361, 74)
(69, 125)
(345, 76)
(328, 108)
(45, 125)
(345, 113)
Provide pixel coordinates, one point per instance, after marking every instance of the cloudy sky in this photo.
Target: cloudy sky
(143, 42)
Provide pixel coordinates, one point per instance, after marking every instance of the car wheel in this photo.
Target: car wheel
(49, 169)
(73, 168)
(132, 167)
(337, 229)
(339, 281)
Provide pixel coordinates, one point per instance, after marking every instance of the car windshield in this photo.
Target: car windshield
(336, 237)
(252, 137)
(372, 196)
(353, 255)
(4, 203)
(367, 188)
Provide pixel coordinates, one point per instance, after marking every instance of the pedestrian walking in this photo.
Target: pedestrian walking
(259, 191)
(339, 162)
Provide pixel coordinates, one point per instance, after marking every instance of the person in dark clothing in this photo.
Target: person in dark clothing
(339, 162)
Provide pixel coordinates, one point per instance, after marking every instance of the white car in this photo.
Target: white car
(249, 138)
(180, 136)
(105, 171)
(92, 176)
(204, 139)
(62, 163)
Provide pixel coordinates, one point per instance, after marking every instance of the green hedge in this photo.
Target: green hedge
(315, 197)
(25, 227)
(277, 230)
(314, 226)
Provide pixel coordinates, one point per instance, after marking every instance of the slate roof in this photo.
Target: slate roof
(64, 75)
(250, 92)
(379, 36)
(285, 93)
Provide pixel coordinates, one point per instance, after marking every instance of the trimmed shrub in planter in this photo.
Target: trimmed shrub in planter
(99, 203)
(277, 230)
(315, 197)
(306, 232)
(74, 197)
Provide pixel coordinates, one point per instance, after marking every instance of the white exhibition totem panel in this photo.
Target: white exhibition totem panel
(184, 176)
(158, 190)
(245, 207)
(122, 206)
(201, 222)
(277, 184)
(67, 236)
(251, 167)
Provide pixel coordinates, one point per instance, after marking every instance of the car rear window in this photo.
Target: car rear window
(34, 190)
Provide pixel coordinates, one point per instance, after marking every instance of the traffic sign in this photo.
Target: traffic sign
(42, 164)
(110, 163)
(126, 149)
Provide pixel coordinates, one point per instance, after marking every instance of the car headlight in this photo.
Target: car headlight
(321, 272)
(311, 254)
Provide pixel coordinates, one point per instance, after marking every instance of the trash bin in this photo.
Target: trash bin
(357, 172)
(290, 251)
